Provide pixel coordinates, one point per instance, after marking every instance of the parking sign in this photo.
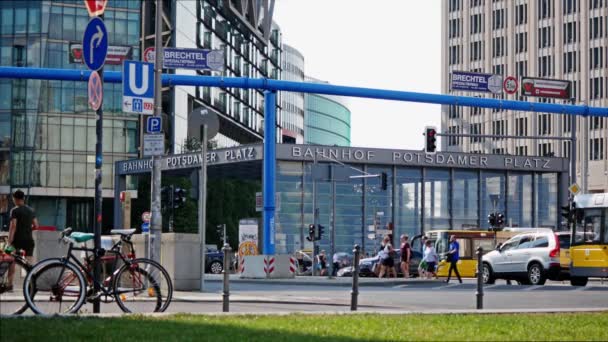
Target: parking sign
(138, 87)
(153, 124)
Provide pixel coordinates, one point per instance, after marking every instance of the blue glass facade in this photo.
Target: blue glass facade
(326, 121)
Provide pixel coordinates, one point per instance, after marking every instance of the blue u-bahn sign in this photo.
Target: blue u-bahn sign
(476, 82)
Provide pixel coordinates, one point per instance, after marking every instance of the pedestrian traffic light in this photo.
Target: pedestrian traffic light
(384, 181)
(492, 219)
(566, 213)
(431, 139)
(500, 220)
(311, 233)
(179, 197)
(321, 230)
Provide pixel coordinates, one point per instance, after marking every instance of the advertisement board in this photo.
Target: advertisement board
(248, 237)
(476, 82)
(116, 54)
(542, 87)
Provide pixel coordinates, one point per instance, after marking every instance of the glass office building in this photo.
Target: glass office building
(292, 116)
(47, 130)
(326, 119)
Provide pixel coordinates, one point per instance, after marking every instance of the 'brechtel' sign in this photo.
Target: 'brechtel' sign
(471, 81)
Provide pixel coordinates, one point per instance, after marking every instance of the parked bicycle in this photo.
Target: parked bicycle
(14, 267)
(61, 285)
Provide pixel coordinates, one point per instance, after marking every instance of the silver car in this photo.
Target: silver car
(530, 258)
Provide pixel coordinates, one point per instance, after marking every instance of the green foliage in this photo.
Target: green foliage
(341, 327)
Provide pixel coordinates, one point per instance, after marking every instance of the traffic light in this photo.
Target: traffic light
(492, 219)
(311, 233)
(165, 196)
(431, 139)
(500, 220)
(321, 230)
(384, 181)
(566, 213)
(179, 197)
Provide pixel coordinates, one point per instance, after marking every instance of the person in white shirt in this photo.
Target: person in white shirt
(431, 258)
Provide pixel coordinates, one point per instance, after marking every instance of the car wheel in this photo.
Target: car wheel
(578, 281)
(487, 274)
(536, 274)
(216, 267)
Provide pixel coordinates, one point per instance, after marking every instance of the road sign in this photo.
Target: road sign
(477, 82)
(95, 89)
(510, 85)
(259, 201)
(138, 87)
(95, 7)
(117, 54)
(542, 87)
(154, 145)
(180, 58)
(574, 189)
(146, 216)
(153, 124)
(95, 44)
(203, 116)
(145, 227)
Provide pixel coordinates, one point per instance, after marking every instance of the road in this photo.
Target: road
(412, 296)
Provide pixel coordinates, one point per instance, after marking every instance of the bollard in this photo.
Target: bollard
(226, 294)
(479, 292)
(354, 293)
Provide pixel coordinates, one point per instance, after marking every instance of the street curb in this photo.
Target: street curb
(329, 282)
(318, 313)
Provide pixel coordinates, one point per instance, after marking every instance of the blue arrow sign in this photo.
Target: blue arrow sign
(95, 44)
(138, 87)
(145, 227)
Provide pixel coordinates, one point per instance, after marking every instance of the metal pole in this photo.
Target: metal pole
(354, 293)
(98, 198)
(479, 292)
(202, 207)
(224, 237)
(314, 241)
(226, 294)
(572, 150)
(156, 222)
(332, 237)
(270, 134)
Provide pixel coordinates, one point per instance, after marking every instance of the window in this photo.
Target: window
(545, 9)
(545, 150)
(597, 122)
(498, 19)
(476, 129)
(476, 23)
(455, 53)
(526, 241)
(521, 126)
(545, 38)
(545, 66)
(544, 124)
(453, 141)
(521, 68)
(521, 42)
(475, 3)
(521, 150)
(570, 32)
(476, 51)
(596, 149)
(511, 244)
(596, 27)
(499, 127)
(566, 123)
(455, 112)
(540, 242)
(454, 28)
(569, 6)
(596, 88)
(498, 47)
(566, 149)
(521, 14)
(500, 150)
(595, 4)
(454, 5)
(569, 62)
(596, 58)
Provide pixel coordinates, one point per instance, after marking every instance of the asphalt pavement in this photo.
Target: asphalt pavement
(322, 295)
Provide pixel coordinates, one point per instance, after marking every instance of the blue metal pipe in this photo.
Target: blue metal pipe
(270, 165)
(318, 88)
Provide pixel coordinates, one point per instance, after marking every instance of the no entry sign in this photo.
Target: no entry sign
(95, 7)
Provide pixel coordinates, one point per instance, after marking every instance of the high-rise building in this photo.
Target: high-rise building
(326, 119)
(47, 130)
(292, 106)
(554, 39)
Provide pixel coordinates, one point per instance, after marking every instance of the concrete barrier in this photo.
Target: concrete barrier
(253, 267)
(268, 267)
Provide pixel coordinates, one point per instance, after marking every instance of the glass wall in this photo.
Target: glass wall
(437, 199)
(519, 201)
(378, 204)
(327, 121)
(289, 224)
(546, 199)
(465, 207)
(409, 201)
(492, 195)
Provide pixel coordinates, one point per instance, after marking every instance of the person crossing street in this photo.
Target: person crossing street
(453, 256)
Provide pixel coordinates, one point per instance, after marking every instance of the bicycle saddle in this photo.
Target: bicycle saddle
(123, 232)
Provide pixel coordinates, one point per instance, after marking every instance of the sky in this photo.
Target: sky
(388, 44)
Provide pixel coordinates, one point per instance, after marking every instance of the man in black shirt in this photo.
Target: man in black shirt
(22, 221)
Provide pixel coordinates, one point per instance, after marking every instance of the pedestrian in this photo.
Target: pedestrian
(322, 263)
(422, 266)
(22, 221)
(431, 258)
(387, 263)
(335, 261)
(453, 256)
(406, 253)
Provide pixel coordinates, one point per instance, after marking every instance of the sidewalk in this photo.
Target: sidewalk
(324, 281)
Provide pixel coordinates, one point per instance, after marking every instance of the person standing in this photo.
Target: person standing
(335, 262)
(22, 221)
(322, 263)
(386, 259)
(431, 258)
(406, 253)
(453, 257)
(422, 266)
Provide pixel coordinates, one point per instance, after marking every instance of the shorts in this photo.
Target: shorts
(27, 246)
(388, 262)
(430, 266)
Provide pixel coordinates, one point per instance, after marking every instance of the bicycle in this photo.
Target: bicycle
(10, 257)
(137, 285)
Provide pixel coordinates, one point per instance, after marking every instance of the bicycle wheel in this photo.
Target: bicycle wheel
(143, 285)
(11, 288)
(55, 287)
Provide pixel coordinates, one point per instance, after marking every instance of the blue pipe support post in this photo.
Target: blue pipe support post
(270, 166)
(271, 86)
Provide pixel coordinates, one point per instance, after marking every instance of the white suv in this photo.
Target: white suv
(529, 258)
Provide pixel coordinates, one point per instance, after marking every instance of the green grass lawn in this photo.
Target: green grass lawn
(294, 327)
